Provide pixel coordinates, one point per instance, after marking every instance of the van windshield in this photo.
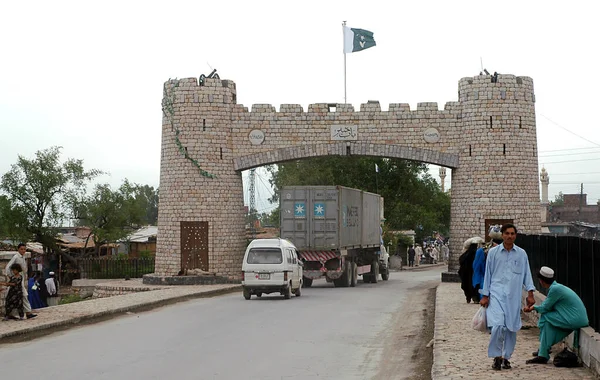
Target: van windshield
(265, 256)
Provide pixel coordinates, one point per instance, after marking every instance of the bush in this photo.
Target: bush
(70, 298)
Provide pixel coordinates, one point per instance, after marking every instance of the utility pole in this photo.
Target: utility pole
(580, 199)
(252, 203)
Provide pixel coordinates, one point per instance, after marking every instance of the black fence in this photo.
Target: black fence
(576, 264)
(115, 267)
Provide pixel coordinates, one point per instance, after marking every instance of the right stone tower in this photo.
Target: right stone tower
(497, 178)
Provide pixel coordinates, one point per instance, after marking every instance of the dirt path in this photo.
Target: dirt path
(406, 355)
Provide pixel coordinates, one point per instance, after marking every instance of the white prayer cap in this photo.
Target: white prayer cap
(52, 273)
(547, 272)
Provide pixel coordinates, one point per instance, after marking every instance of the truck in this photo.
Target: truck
(337, 233)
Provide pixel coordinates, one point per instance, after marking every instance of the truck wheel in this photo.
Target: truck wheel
(375, 272)
(259, 294)
(346, 278)
(287, 293)
(366, 278)
(386, 275)
(247, 294)
(354, 271)
(307, 282)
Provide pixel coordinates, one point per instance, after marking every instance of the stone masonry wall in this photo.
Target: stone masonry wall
(488, 138)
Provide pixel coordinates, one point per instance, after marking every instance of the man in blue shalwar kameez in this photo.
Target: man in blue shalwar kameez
(506, 274)
(561, 313)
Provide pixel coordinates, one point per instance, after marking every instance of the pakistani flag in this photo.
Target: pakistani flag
(357, 39)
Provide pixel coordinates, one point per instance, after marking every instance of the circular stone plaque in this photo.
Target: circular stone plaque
(256, 137)
(431, 135)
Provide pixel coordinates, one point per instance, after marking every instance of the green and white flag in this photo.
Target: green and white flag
(357, 39)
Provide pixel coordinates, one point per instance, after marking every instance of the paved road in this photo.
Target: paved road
(328, 333)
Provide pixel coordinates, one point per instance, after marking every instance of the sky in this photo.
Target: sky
(88, 76)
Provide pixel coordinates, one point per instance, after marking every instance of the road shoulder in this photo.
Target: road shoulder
(57, 318)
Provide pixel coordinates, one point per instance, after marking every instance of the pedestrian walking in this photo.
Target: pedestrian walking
(561, 313)
(465, 271)
(435, 255)
(411, 256)
(52, 290)
(14, 298)
(479, 267)
(19, 258)
(33, 288)
(418, 254)
(506, 274)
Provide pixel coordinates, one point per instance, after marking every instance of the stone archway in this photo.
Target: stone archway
(488, 137)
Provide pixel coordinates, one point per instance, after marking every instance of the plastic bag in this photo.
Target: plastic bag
(479, 322)
(566, 358)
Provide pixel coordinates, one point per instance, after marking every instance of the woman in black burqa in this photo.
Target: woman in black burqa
(465, 272)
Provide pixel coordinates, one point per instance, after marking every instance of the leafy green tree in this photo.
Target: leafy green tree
(559, 199)
(147, 197)
(412, 198)
(12, 222)
(112, 214)
(42, 192)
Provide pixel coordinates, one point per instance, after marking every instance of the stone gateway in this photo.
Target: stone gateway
(487, 137)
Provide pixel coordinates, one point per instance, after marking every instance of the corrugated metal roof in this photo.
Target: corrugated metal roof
(143, 234)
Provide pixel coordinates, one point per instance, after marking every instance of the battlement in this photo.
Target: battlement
(471, 89)
(504, 87)
(323, 109)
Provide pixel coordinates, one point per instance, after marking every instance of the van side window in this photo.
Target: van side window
(289, 257)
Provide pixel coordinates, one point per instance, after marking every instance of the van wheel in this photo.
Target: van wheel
(298, 291)
(354, 271)
(307, 282)
(375, 272)
(287, 293)
(247, 294)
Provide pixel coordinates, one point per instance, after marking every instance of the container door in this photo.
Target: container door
(324, 218)
(294, 223)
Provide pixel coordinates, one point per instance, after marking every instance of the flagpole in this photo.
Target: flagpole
(344, 49)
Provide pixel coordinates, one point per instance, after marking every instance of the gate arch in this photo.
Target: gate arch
(250, 161)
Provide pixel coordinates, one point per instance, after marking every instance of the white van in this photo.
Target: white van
(271, 266)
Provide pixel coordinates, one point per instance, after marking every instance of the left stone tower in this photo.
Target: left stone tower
(201, 196)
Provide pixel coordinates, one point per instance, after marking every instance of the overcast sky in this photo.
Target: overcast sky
(88, 75)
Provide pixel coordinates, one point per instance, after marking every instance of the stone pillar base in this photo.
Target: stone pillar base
(450, 277)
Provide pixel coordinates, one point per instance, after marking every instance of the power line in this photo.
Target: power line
(561, 162)
(563, 150)
(571, 132)
(568, 154)
(555, 174)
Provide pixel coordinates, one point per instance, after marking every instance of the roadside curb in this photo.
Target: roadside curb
(101, 315)
(420, 268)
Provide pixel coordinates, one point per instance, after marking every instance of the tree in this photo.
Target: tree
(42, 191)
(412, 198)
(112, 214)
(147, 197)
(12, 223)
(559, 199)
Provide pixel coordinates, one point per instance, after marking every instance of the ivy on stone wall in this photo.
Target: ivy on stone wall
(169, 112)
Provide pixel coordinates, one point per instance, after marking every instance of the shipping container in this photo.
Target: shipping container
(337, 232)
